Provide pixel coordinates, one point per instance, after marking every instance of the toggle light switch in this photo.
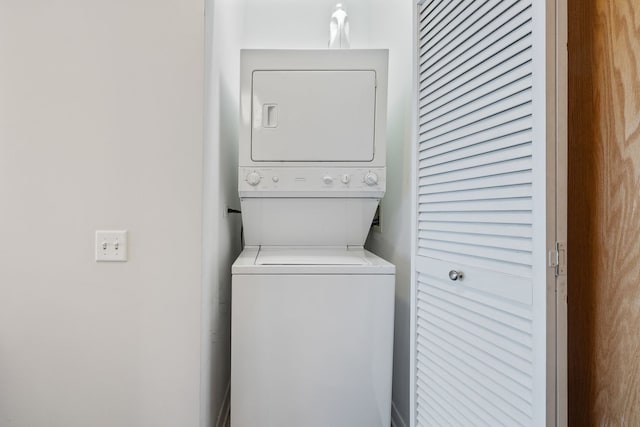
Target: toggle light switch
(111, 245)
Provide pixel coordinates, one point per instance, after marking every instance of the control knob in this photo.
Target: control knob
(327, 179)
(345, 178)
(371, 178)
(253, 178)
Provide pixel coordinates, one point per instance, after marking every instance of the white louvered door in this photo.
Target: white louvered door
(484, 345)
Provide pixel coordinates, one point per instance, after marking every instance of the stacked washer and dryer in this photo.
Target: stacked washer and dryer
(312, 310)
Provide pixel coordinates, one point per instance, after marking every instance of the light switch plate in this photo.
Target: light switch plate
(111, 245)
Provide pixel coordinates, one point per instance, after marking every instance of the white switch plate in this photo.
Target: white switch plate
(111, 245)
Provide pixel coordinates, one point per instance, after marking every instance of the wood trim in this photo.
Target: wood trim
(604, 217)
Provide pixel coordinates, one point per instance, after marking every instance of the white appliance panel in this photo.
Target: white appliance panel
(326, 115)
(299, 221)
(312, 350)
(285, 181)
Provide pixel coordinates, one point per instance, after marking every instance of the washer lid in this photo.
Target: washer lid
(311, 256)
(306, 260)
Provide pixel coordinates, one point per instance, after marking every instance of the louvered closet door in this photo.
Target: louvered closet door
(483, 345)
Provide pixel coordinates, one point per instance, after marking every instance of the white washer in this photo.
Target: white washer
(312, 311)
(312, 338)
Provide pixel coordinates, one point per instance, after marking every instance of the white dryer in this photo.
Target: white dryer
(312, 311)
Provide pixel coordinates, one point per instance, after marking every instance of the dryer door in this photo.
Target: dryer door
(313, 115)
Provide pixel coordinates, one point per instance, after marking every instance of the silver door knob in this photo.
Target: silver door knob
(455, 275)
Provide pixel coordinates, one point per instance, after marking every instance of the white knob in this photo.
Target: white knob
(275, 178)
(345, 178)
(371, 178)
(327, 179)
(253, 178)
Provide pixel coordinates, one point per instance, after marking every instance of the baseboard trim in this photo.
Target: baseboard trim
(225, 408)
(396, 418)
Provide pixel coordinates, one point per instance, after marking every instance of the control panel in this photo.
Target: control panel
(312, 180)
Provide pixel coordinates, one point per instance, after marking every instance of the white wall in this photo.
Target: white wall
(374, 24)
(393, 24)
(221, 242)
(100, 128)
